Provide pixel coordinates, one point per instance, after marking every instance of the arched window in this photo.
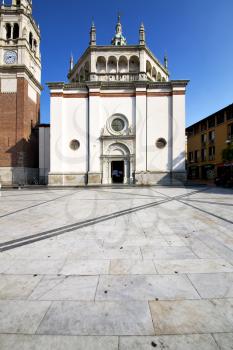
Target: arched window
(18, 3)
(82, 75)
(154, 74)
(134, 64)
(86, 71)
(159, 77)
(148, 69)
(101, 65)
(8, 31)
(123, 65)
(30, 39)
(112, 65)
(16, 31)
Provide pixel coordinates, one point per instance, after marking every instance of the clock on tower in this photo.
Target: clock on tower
(20, 89)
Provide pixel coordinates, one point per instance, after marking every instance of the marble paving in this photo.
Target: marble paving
(116, 268)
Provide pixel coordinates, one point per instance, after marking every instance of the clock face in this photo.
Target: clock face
(10, 57)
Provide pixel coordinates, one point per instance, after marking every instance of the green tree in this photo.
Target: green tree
(227, 153)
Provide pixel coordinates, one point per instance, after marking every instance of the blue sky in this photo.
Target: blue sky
(196, 34)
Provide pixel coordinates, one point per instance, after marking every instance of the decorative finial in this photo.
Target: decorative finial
(165, 61)
(118, 17)
(92, 34)
(3, 2)
(142, 35)
(71, 61)
(119, 39)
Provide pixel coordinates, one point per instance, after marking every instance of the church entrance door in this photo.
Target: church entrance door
(118, 172)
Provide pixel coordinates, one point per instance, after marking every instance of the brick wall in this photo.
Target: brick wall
(18, 138)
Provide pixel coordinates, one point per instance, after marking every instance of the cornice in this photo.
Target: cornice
(21, 69)
(133, 89)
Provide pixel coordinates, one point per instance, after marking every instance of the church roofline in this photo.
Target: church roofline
(117, 85)
(116, 48)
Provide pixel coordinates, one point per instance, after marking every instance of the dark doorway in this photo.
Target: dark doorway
(118, 172)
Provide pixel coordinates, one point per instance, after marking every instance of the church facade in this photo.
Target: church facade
(20, 89)
(119, 119)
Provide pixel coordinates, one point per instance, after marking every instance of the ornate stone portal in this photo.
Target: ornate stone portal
(118, 145)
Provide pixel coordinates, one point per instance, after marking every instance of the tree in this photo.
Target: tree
(227, 153)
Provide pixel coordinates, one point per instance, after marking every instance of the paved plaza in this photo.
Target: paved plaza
(116, 268)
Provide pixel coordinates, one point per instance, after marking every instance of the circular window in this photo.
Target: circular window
(161, 143)
(74, 145)
(118, 124)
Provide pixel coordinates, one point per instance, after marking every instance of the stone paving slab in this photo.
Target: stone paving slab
(201, 250)
(132, 267)
(44, 342)
(215, 285)
(193, 266)
(32, 266)
(180, 255)
(224, 340)
(192, 316)
(85, 267)
(5, 263)
(171, 342)
(17, 286)
(66, 288)
(99, 318)
(117, 253)
(21, 316)
(145, 287)
(167, 253)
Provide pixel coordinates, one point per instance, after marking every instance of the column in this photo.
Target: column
(125, 172)
(131, 170)
(109, 172)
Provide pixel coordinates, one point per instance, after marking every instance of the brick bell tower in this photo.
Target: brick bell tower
(20, 89)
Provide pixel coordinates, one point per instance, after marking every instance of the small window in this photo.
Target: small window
(196, 129)
(220, 118)
(196, 156)
(204, 125)
(229, 115)
(212, 136)
(74, 145)
(190, 156)
(118, 124)
(16, 31)
(230, 132)
(211, 153)
(203, 154)
(161, 143)
(203, 138)
(30, 39)
(211, 122)
(8, 31)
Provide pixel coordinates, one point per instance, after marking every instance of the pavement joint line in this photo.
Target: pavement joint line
(181, 200)
(69, 228)
(36, 205)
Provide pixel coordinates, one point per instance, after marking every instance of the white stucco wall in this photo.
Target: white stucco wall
(158, 126)
(44, 151)
(68, 122)
(151, 114)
